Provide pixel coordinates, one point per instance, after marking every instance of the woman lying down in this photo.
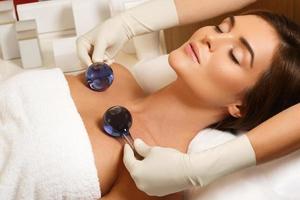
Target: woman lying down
(52, 143)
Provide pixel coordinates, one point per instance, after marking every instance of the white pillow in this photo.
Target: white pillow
(278, 179)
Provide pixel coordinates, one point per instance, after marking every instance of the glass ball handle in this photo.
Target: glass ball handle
(129, 140)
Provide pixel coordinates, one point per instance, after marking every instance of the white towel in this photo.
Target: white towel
(45, 151)
(153, 74)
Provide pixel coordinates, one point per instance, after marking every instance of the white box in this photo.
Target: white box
(30, 53)
(50, 16)
(65, 54)
(29, 43)
(6, 5)
(8, 42)
(7, 12)
(26, 29)
(89, 13)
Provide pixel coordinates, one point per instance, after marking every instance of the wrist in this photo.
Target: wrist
(150, 16)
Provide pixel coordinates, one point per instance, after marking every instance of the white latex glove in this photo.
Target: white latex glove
(164, 170)
(105, 40)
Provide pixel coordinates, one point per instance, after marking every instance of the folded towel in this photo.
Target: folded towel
(45, 151)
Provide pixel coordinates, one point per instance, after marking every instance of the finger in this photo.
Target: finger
(113, 50)
(108, 60)
(128, 158)
(99, 50)
(141, 147)
(83, 49)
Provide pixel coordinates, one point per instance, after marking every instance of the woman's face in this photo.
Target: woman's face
(219, 63)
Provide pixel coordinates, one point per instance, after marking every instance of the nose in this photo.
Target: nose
(215, 41)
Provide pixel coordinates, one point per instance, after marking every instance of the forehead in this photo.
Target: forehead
(261, 36)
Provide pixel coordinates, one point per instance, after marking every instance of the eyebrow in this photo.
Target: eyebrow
(243, 40)
(247, 45)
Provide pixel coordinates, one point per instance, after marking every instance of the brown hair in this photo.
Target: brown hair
(279, 87)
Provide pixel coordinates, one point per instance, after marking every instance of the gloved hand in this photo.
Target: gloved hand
(105, 40)
(164, 170)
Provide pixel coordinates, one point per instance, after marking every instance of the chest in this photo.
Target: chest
(91, 106)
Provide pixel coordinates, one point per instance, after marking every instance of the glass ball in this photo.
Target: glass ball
(99, 76)
(117, 121)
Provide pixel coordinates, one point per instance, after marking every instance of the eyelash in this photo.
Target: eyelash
(233, 58)
(217, 29)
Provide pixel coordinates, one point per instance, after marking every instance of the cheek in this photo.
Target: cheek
(228, 77)
(218, 81)
(223, 81)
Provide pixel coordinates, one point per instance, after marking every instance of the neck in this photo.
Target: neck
(173, 112)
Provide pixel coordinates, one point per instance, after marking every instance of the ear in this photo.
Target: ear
(235, 109)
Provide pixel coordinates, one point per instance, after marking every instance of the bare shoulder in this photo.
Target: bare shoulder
(124, 85)
(125, 80)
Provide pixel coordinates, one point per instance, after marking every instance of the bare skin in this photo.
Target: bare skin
(107, 150)
(172, 116)
(190, 11)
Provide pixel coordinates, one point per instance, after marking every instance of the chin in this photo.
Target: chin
(178, 61)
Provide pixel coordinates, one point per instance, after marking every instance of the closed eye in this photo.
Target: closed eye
(233, 57)
(217, 29)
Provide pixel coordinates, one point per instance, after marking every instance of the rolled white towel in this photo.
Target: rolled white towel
(45, 151)
(154, 74)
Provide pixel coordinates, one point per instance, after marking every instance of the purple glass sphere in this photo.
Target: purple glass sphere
(117, 121)
(99, 76)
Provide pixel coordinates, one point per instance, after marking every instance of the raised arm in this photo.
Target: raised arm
(277, 136)
(190, 11)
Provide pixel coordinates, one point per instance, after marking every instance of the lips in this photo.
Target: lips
(192, 50)
(195, 51)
